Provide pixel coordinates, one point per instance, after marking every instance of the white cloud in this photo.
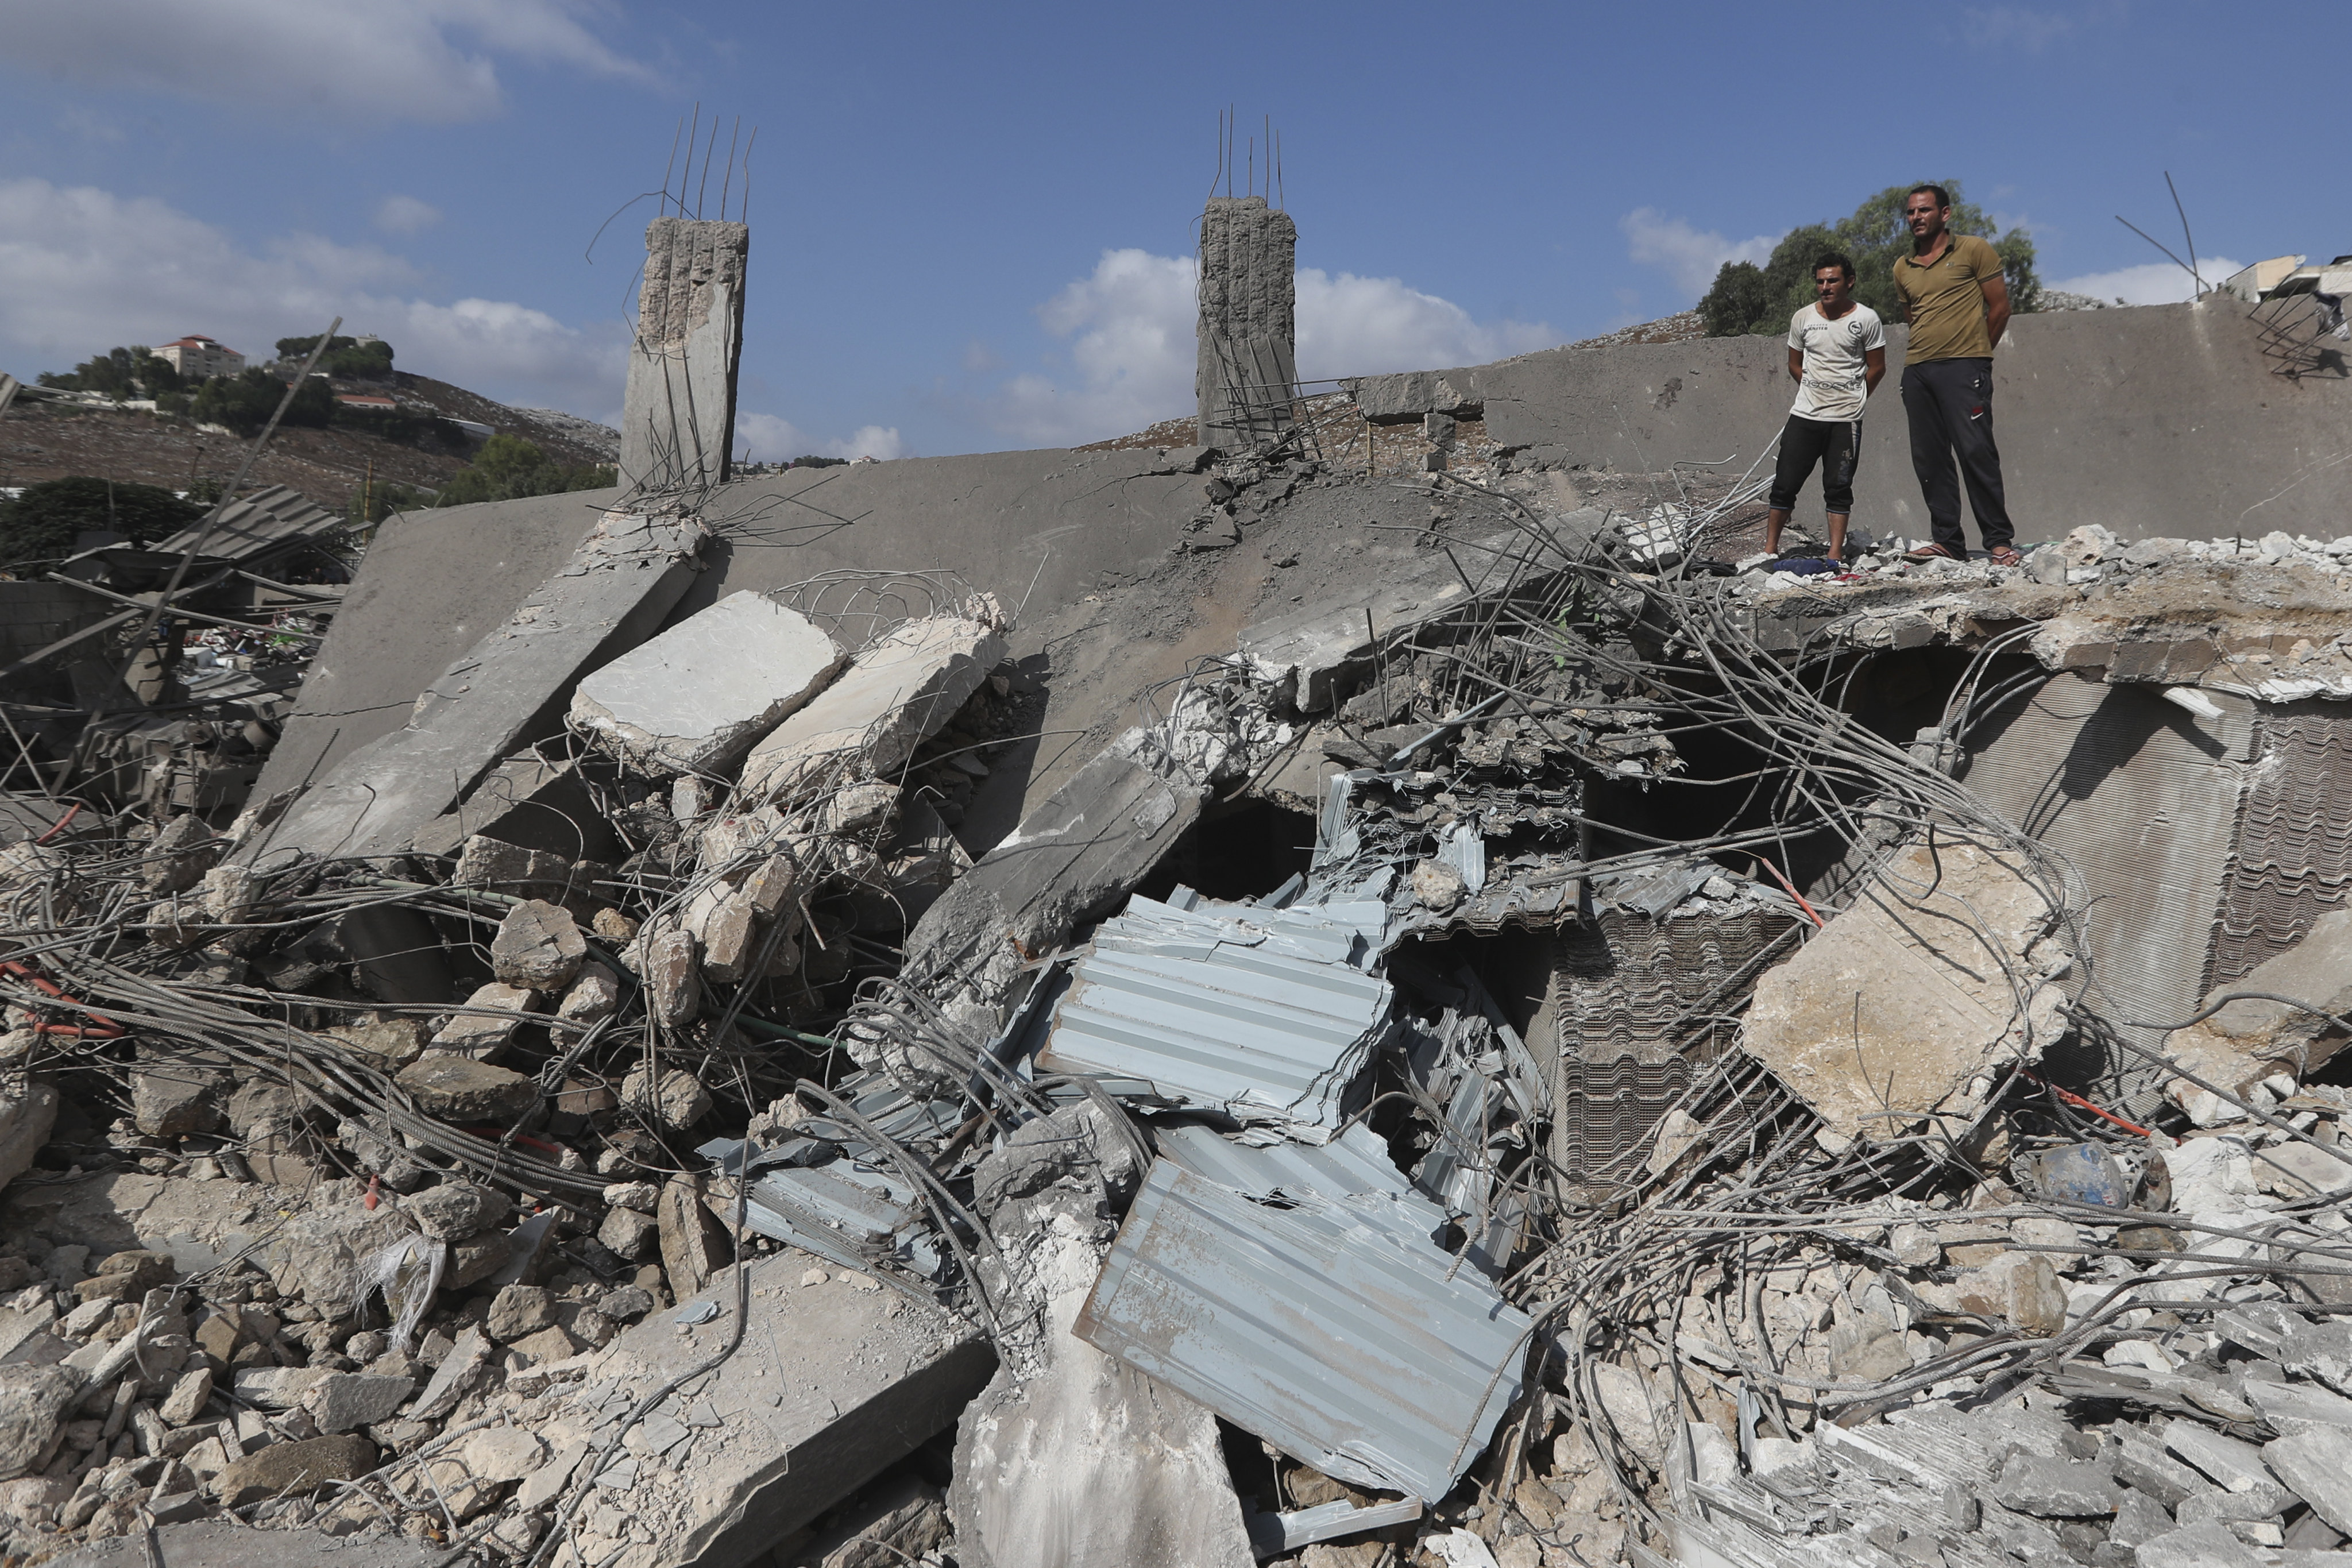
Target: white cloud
(771, 438)
(2150, 283)
(1129, 326)
(2018, 28)
(371, 59)
(82, 269)
(1689, 256)
(406, 214)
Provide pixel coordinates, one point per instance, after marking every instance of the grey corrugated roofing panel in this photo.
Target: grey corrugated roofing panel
(1331, 1328)
(255, 526)
(1355, 1162)
(1260, 1013)
(1234, 1029)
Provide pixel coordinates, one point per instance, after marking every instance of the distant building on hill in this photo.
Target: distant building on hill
(196, 356)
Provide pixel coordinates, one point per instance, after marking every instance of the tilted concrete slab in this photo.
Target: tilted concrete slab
(1072, 860)
(611, 594)
(830, 1384)
(697, 696)
(1313, 648)
(898, 691)
(226, 1543)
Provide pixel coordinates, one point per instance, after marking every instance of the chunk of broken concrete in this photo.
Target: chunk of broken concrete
(693, 699)
(538, 947)
(33, 1401)
(2020, 1288)
(2249, 1040)
(314, 1256)
(26, 1118)
(391, 1040)
(461, 1089)
(1889, 1013)
(2057, 1489)
(675, 1098)
(898, 691)
(2316, 1464)
(594, 995)
(488, 1026)
(172, 1094)
(673, 974)
(347, 1401)
(287, 1469)
(694, 1244)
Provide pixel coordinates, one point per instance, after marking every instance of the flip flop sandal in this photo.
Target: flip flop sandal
(2006, 556)
(1930, 552)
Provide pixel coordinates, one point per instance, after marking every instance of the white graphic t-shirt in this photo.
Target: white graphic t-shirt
(1832, 388)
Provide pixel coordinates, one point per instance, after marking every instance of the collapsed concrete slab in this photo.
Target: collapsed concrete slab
(677, 421)
(695, 697)
(836, 1378)
(228, 1543)
(1312, 651)
(895, 694)
(610, 597)
(1911, 1003)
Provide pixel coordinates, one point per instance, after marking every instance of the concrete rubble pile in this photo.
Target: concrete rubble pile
(1690, 1103)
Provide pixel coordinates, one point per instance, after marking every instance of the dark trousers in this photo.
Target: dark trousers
(1834, 444)
(1949, 404)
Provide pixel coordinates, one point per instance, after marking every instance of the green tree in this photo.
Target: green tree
(509, 468)
(346, 357)
(1746, 299)
(41, 524)
(119, 372)
(245, 402)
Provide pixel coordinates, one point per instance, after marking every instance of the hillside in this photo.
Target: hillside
(47, 441)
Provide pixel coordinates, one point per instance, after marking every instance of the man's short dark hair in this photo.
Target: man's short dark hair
(1943, 197)
(1832, 258)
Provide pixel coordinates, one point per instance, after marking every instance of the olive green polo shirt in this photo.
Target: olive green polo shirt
(1946, 302)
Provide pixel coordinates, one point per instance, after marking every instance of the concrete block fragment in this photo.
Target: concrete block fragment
(694, 1245)
(594, 995)
(2236, 1467)
(674, 975)
(732, 938)
(895, 693)
(174, 1093)
(456, 1210)
(461, 1089)
(538, 947)
(2295, 1407)
(2138, 1518)
(2142, 1464)
(484, 1034)
(2020, 1288)
(1904, 999)
(347, 1401)
(2057, 1489)
(293, 1469)
(2315, 1465)
(696, 697)
(2199, 1546)
(631, 1235)
(2247, 1041)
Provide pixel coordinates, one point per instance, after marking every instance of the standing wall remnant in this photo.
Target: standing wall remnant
(678, 428)
(1248, 360)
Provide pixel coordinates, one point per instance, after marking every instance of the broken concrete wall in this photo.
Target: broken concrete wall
(2162, 419)
(677, 425)
(1247, 357)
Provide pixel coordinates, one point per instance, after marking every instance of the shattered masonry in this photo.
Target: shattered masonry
(1558, 1040)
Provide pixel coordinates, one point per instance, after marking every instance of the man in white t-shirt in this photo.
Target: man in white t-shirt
(1837, 353)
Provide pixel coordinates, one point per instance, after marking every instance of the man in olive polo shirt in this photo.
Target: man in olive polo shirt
(1957, 302)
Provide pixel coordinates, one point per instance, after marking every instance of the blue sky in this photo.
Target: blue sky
(970, 224)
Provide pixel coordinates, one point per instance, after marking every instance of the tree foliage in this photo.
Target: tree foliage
(346, 357)
(244, 402)
(119, 372)
(41, 524)
(1750, 299)
(509, 468)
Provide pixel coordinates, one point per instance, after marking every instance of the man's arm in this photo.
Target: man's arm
(1874, 370)
(1796, 364)
(1996, 293)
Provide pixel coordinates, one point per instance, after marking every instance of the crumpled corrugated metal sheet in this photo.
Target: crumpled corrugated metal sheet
(1333, 1327)
(1261, 1014)
(258, 525)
